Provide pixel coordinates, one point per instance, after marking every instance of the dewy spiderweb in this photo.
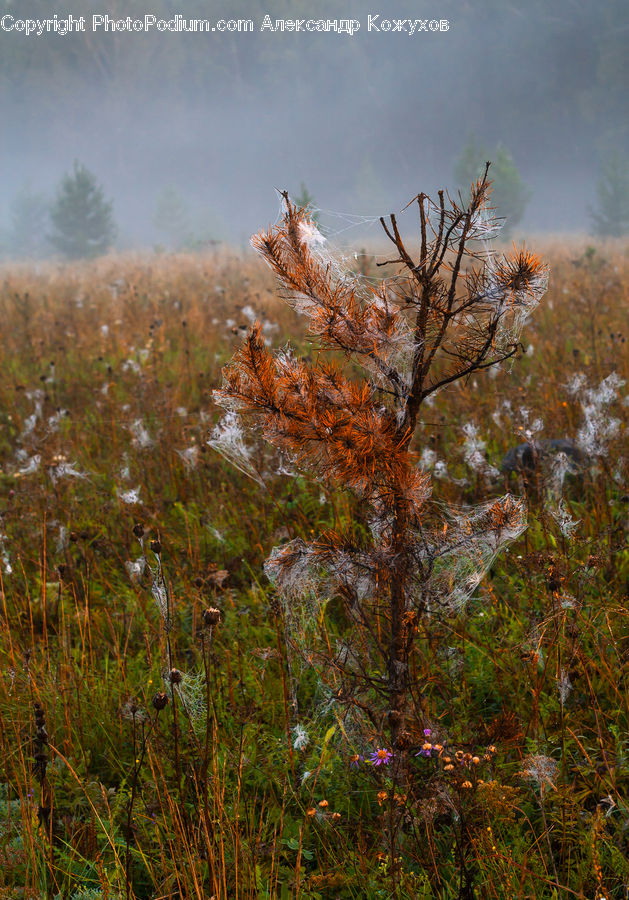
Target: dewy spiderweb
(417, 560)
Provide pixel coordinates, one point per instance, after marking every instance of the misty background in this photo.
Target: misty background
(217, 121)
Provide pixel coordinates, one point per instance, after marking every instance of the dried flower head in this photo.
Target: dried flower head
(211, 616)
(160, 700)
(540, 769)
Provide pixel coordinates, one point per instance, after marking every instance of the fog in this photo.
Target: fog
(365, 121)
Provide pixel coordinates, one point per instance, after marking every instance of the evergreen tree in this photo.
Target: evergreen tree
(172, 218)
(510, 195)
(611, 218)
(82, 219)
(306, 201)
(28, 216)
(445, 315)
(471, 163)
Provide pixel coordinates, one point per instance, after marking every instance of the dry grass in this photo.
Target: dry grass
(116, 360)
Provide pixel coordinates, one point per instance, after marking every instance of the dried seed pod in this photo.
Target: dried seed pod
(160, 700)
(211, 615)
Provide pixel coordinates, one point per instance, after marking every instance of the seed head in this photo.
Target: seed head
(211, 615)
(175, 676)
(160, 700)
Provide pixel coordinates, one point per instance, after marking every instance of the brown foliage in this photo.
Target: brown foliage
(452, 310)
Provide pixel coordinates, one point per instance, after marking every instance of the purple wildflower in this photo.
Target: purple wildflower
(381, 756)
(355, 760)
(426, 749)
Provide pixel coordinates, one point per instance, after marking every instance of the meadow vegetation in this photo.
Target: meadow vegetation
(159, 736)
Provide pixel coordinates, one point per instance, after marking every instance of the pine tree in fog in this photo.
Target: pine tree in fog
(454, 308)
(82, 219)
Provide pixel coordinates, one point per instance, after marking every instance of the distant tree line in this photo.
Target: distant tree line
(609, 218)
(79, 223)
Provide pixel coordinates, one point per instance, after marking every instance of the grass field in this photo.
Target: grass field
(159, 736)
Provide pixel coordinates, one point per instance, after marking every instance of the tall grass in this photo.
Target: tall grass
(142, 785)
